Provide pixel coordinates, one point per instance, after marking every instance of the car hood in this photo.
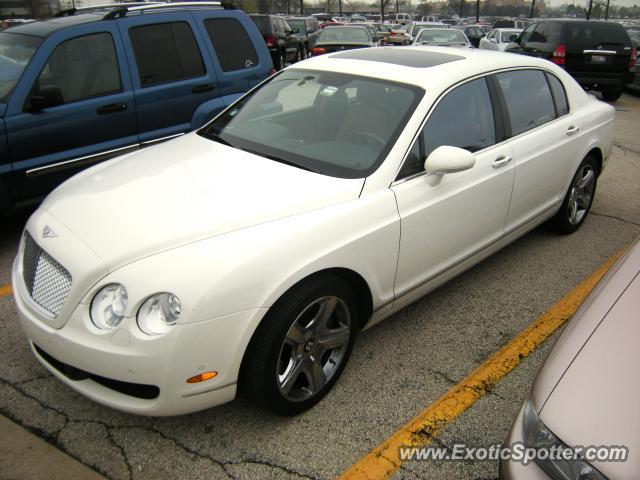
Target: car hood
(595, 400)
(182, 191)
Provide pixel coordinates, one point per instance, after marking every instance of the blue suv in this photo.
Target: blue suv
(92, 84)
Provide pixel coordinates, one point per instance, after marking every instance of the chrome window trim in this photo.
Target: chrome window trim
(398, 181)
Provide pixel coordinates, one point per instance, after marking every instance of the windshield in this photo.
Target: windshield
(441, 36)
(331, 123)
(16, 51)
(508, 37)
(344, 34)
(299, 24)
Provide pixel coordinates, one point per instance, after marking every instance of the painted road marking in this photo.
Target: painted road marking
(5, 290)
(384, 460)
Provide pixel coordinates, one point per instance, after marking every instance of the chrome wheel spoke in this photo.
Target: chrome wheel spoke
(291, 375)
(573, 211)
(583, 200)
(334, 338)
(315, 374)
(319, 322)
(295, 335)
(586, 180)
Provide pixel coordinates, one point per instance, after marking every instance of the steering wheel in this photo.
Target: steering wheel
(369, 139)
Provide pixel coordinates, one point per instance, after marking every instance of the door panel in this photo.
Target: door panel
(446, 220)
(543, 149)
(84, 74)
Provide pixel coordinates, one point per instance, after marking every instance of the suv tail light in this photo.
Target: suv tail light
(559, 55)
(634, 59)
(318, 51)
(270, 40)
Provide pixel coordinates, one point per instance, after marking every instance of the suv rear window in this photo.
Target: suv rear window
(262, 22)
(231, 43)
(587, 35)
(166, 52)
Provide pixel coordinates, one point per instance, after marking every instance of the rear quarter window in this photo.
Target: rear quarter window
(231, 43)
(559, 95)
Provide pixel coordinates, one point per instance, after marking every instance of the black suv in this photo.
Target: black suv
(599, 55)
(281, 39)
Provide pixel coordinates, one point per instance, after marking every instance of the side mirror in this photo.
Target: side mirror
(45, 97)
(493, 40)
(446, 159)
(295, 30)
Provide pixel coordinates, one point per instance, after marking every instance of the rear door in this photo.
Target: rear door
(597, 47)
(91, 116)
(170, 74)
(541, 39)
(545, 140)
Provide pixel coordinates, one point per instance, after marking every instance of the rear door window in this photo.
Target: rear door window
(166, 52)
(231, 43)
(528, 98)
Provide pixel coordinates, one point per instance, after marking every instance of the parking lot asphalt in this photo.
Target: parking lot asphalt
(397, 368)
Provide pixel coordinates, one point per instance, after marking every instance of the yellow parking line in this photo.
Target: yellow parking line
(5, 290)
(384, 460)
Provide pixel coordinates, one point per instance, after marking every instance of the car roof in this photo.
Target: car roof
(410, 64)
(43, 28)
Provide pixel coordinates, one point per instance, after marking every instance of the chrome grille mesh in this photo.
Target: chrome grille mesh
(46, 280)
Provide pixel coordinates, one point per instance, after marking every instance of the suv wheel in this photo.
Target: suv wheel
(301, 347)
(611, 94)
(578, 200)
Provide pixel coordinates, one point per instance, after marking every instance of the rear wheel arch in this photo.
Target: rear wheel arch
(596, 154)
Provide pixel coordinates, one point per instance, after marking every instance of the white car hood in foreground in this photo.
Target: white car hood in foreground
(183, 191)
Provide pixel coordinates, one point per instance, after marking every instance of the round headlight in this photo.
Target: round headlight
(159, 313)
(109, 306)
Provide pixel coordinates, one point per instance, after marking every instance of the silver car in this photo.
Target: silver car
(586, 393)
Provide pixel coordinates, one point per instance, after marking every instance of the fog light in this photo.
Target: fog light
(203, 377)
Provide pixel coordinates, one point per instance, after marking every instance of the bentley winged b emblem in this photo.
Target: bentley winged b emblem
(48, 232)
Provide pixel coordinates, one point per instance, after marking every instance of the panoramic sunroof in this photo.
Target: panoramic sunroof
(398, 56)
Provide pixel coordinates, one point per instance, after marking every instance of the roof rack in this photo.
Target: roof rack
(141, 8)
(72, 11)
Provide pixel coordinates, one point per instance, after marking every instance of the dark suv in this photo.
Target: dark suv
(308, 32)
(599, 55)
(95, 83)
(282, 40)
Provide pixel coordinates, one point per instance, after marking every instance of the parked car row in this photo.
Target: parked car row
(96, 83)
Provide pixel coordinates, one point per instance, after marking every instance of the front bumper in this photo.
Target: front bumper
(512, 470)
(125, 356)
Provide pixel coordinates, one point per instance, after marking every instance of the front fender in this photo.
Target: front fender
(252, 267)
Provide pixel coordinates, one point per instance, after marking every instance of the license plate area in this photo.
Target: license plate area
(599, 59)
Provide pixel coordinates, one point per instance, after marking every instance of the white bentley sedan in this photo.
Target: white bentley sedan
(249, 254)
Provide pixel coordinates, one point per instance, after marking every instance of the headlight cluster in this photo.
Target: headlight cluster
(538, 436)
(155, 317)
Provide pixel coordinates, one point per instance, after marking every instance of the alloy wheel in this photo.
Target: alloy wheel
(581, 194)
(313, 349)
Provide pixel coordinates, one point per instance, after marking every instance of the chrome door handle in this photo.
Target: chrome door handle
(501, 161)
(572, 129)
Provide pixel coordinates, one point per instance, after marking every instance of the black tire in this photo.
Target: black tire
(264, 377)
(565, 221)
(611, 94)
